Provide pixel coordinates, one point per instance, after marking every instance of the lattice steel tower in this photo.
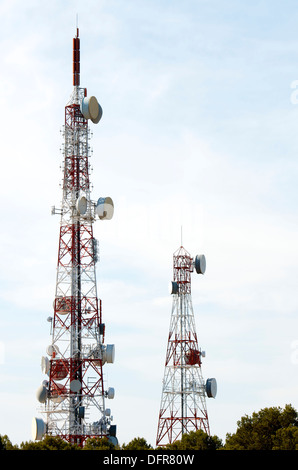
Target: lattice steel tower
(183, 402)
(73, 394)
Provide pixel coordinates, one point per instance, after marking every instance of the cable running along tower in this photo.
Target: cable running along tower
(72, 396)
(183, 402)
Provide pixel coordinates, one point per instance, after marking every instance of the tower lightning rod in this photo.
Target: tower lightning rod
(76, 59)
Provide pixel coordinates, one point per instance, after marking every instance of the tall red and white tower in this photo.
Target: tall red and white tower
(183, 402)
(73, 396)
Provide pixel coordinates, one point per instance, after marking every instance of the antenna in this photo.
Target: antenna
(76, 58)
(181, 236)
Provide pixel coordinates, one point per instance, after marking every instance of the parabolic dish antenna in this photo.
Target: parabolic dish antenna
(109, 354)
(111, 393)
(82, 205)
(41, 393)
(173, 287)
(113, 439)
(200, 264)
(211, 388)
(45, 365)
(91, 109)
(105, 208)
(38, 428)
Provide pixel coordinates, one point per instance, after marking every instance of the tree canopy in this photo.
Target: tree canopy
(196, 440)
(5, 443)
(48, 443)
(269, 429)
(138, 443)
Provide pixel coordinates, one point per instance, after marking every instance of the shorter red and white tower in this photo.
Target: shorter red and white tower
(184, 391)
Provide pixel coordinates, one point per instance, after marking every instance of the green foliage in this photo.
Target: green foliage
(286, 439)
(196, 440)
(97, 443)
(270, 428)
(48, 443)
(5, 443)
(138, 443)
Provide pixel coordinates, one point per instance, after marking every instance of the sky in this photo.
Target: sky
(199, 131)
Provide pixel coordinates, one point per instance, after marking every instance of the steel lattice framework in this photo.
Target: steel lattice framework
(73, 395)
(183, 402)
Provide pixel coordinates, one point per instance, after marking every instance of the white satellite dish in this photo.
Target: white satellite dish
(52, 349)
(45, 365)
(82, 204)
(200, 264)
(41, 393)
(91, 109)
(211, 388)
(111, 393)
(108, 354)
(105, 208)
(173, 287)
(38, 429)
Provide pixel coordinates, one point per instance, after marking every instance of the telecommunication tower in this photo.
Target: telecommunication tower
(73, 395)
(183, 402)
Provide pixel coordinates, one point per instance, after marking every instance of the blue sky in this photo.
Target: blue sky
(199, 129)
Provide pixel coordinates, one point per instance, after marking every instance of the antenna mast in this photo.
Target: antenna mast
(73, 395)
(183, 402)
(76, 59)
